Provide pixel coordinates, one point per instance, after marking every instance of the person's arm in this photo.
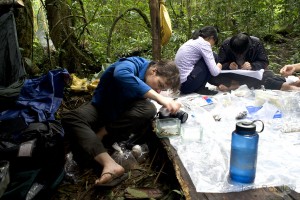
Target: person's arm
(207, 54)
(290, 69)
(135, 87)
(169, 103)
(258, 57)
(125, 75)
(223, 57)
(297, 67)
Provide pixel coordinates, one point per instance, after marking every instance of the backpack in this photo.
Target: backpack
(12, 71)
(31, 139)
(36, 158)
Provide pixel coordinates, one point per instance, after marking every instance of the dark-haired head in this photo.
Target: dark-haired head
(240, 43)
(206, 32)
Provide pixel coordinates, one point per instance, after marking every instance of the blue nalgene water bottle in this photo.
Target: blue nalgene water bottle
(243, 154)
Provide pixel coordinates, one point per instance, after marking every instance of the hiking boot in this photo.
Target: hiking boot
(206, 91)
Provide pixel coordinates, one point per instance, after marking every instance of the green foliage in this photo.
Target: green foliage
(93, 21)
(254, 17)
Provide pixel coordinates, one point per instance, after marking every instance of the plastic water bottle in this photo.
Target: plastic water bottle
(243, 156)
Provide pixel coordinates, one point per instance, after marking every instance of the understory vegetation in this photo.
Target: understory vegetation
(108, 30)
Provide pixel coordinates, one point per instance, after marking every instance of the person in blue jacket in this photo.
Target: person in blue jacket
(120, 106)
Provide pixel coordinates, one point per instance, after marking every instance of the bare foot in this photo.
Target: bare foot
(297, 83)
(289, 87)
(223, 88)
(109, 174)
(233, 86)
(111, 169)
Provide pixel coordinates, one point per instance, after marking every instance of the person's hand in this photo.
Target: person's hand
(246, 66)
(233, 66)
(219, 65)
(171, 105)
(287, 70)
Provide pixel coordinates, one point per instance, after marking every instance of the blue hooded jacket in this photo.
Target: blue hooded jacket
(121, 83)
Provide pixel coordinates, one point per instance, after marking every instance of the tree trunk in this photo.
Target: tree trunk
(71, 56)
(155, 30)
(143, 15)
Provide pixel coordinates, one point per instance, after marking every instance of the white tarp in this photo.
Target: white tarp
(207, 161)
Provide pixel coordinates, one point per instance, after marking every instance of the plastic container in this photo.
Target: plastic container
(192, 132)
(4, 176)
(168, 127)
(243, 156)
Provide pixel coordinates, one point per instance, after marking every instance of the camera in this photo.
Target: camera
(181, 115)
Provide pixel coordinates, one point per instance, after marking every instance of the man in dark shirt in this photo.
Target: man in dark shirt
(244, 52)
(240, 52)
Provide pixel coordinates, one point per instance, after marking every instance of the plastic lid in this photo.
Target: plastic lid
(246, 126)
(184, 117)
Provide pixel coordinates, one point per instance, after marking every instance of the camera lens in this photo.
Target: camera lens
(183, 116)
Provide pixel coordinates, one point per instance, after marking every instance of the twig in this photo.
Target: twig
(153, 159)
(159, 173)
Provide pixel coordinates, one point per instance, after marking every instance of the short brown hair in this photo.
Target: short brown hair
(169, 70)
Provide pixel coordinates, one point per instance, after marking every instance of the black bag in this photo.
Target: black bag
(12, 71)
(36, 157)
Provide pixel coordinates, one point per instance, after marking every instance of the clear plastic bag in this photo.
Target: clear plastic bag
(140, 152)
(34, 190)
(72, 169)
(124, 157)
(4, 176)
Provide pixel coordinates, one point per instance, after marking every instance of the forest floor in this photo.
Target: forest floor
(156, 175)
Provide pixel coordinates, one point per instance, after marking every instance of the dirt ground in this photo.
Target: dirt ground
(156, 175)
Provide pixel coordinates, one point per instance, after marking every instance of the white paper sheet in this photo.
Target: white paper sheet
(254, 74)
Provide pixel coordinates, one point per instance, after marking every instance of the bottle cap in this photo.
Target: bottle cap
(249, 127)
